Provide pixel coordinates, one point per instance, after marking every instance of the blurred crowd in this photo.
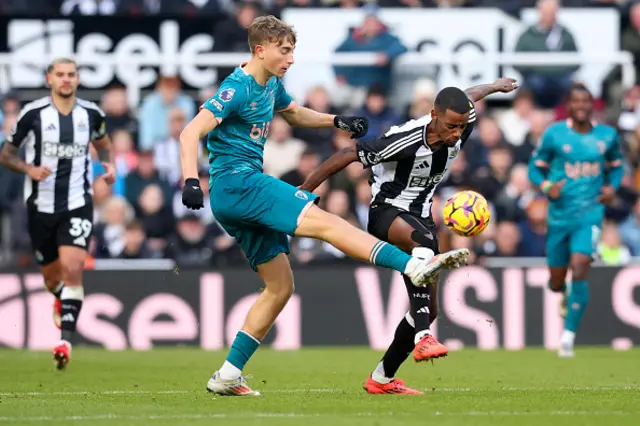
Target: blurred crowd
(142, 216)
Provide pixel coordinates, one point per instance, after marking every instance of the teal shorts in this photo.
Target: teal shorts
(259, 211)
(563, 241)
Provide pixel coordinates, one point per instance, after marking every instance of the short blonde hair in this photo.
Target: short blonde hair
(57, 61)
(269, 29)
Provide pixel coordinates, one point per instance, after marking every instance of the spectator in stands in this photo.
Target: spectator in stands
(490, 136)
(144, 175)
(117, 111)
(110, 227)
(155, 107)
(363, 201)
(630, 40)
(281, 151)
(88, 7)
(630, 230)
(125, 156)
(611, 250)
(135, 245)
(490, 180)
(156, 217)
(549, 84)
(309, 161)
(534, 229)
(424, 95)
(232, 34)
(318, 140)
(512, 201)
(538, 122)
(514, 123)
(373, 37)
(166, 154)
(458, 176)
(189, 247)
(508, 240)
(381, 116)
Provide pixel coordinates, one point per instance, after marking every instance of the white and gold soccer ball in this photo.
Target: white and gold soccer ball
(467, 213)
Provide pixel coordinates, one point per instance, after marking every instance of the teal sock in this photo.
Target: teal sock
(576, 304)
(384, 254)
(243, 347)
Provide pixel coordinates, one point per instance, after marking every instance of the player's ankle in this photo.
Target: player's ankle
(420, 335)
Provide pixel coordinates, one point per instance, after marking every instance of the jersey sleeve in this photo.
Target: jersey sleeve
(283, 101)
(614, 155)
(21, 129)
(99, 125)
(470, 125)
(228, 100)
(388, 148)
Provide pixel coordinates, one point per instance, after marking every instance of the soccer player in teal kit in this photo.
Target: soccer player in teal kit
(261, 211)
(578, 165)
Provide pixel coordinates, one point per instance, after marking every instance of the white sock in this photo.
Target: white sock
(229, 371)
(568, 337)
(420, 335)
(379, 376)
(418, 254)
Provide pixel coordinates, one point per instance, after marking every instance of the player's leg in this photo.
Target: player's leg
(558, 254)
(266, 251)
(316, 223)
(583, 245)
(73, 237)
(41, 229)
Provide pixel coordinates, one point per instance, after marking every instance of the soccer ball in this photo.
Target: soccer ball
(467, 213)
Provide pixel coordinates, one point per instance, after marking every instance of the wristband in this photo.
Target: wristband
(546, 186)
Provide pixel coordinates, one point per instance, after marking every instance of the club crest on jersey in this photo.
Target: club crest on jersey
(226, 95)
(302, 195)
(602, 146)
(217, 105)
(453, 153)
(566, 148)
(82, 125)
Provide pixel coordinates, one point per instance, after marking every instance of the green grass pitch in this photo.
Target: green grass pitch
(321, 387)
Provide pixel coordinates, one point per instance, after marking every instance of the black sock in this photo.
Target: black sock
(399, 349)
(57, 292)
(419, 298)
(71, 304)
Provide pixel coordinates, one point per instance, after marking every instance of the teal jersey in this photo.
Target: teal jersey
(582, 160)
(244, 110)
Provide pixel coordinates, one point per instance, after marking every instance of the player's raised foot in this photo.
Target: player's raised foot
(62, 354)
(429, 348)
(57, 313)
(396, 386)
(565, 351)
(232, 387)
(423, 272)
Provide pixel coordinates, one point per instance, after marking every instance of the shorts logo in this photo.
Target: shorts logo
(217, 105)
(39, 256)
(226, 95)
(302, 195)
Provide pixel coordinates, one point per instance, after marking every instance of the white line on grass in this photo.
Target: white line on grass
(329, 390)
(301, 415)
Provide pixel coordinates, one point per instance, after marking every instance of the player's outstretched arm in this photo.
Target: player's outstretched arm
(333, 165)
(504, 85)
(299, 116)
(202, 124)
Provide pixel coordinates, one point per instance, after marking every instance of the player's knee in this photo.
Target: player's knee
(556, 285)
(282, 289)
(579, 269)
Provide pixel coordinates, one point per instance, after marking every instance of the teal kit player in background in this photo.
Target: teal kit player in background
(261, 211)
(579, 166)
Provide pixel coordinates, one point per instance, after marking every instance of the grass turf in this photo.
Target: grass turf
(321, 386)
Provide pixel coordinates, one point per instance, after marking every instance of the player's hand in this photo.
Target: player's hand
(192, 196)
(555, 189)
(109, 175)
(607, 194)
(39, 173)
(506, 84)
(357, 126)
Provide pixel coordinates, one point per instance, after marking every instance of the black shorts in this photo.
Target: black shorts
(48, 231)
(381, 216)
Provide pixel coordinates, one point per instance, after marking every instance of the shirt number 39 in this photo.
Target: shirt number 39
(260, 132)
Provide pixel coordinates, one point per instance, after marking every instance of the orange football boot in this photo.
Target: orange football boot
(396, 386)
(429, 348)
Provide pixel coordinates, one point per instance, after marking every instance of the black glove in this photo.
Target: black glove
(192, 195)
(357, 126)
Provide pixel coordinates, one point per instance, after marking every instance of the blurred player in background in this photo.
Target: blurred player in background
(56, 131)
(260, 211)
(407, 164)
(578, 165)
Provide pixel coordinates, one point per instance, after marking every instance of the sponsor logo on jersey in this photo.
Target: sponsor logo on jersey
(423, 182)
(226, 95)
(64, 151)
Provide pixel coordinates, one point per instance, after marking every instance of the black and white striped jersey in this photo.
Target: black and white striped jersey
(60, 142)
(405, 170)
